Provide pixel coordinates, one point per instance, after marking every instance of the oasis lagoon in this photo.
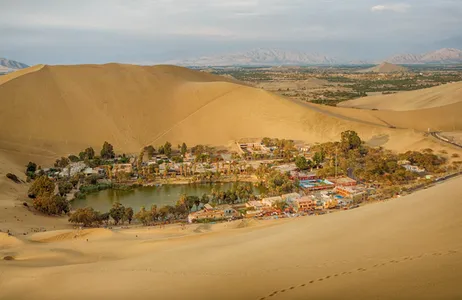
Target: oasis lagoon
(147, 196)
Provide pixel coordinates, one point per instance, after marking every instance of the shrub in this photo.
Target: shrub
(41, 186)
(85, 216)
(30, 169)
(13, 177)
(51, 205)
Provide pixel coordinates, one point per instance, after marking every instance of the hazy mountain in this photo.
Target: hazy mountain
(7, 65)
(260, 56)
(445, 55)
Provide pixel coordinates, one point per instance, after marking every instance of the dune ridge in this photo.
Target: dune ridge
(19, 73)
(58, 110)
(439, 96)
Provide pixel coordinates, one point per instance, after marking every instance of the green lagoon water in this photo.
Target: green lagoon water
(146, 196)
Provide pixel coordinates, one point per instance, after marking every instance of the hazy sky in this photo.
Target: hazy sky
(150, 31)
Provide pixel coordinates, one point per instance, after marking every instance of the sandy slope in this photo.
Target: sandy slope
(442, 118)
(58, 110)
(18, 73)
(408, 248)
(413, 100)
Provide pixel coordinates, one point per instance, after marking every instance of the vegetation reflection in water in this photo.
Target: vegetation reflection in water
(146, 196)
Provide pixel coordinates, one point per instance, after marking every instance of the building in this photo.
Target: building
(117, 168)
(253, 213)
(286, 168)
(304, 204)
(303, 175)
(316, 185)
(414, 169)
(355, 194)
(304, 148)
(270, 201)
(90, 171)
(72, 169)
(404, 162)
(289, 198)
(256, 205)
(343, 181)
(208, 207)
(219, 213)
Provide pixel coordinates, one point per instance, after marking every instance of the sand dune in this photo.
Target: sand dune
(406, 248)
(64, 235)
(7, 241)
(413, 100)
(58, 110)
(18, 73)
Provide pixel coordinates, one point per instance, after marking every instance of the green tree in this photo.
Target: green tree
(87, 216)
(90, 153)
(281, 205)
(41, 186)
(117, 212)
(350, 140)
(150, 151)
(65, 187)
(73, 158)
(205, 199)
(183, 149)
(107, 152)
(51, 205)
(103, 218)
(62, 162)
(143, 216)
(279, 183)
(30, 169)
(153, 213)
(302, 163)
(318, 158)
(128, 215)
(168, 149)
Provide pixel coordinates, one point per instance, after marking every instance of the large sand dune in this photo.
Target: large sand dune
(407, 248)
(56, 110)
(413, 100)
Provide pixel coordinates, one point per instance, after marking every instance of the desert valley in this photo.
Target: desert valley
(193, 150)
(134, 106)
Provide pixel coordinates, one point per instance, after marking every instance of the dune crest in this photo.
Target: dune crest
(7, 241)
(413, 100)
(59, 110)
(65, 235)
(18, 73)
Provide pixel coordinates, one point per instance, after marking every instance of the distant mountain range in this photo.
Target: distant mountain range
(443, 56)
(7, 65)
(276, 57)
(258, 57)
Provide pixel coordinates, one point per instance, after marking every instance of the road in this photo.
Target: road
(439, 137)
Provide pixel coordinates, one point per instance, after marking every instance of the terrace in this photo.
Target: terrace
(316, 185)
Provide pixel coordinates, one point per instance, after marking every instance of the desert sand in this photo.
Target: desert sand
(406, 248)
(402, 249)
(413, 100)
(134, 106)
